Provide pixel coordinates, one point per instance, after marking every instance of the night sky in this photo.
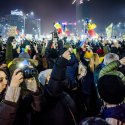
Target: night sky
(102, 12)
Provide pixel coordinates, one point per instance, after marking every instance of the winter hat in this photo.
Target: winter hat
(88, 54)
(67, 45)
(110, 57)
(100, 52)
(111, 89)
(16, 62)
(93, 121)
(62, 51)
(43, 75)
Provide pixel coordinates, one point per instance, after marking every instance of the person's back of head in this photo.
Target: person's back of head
(24, 55)
(111, 89)
(10, 39)
(110, 57)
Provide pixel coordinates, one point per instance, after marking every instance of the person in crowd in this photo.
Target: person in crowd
(111, 89)
(114, 49)
(88, 94)
(59, 108)
(108, 58)
(63, 90)
(72, 70)
(30, 97)
(9, 96)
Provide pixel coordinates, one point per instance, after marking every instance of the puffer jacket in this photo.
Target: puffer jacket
(112, 69)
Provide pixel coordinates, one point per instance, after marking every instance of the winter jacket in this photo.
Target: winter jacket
(88, 92)
(18, 113)
(72, 71)
(59, 108)
(7, 112)
(9, 105)
(28, 106)
(112, 69)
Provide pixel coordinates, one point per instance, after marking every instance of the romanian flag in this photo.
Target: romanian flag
(59, 31)
(66, 30)
(91, 30)
(58, 27)
(91, 26)
(92, 33)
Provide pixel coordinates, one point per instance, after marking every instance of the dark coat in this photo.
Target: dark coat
(89, 98)
(59, 107)
(72, 71)
(19, 113)
(7, 112)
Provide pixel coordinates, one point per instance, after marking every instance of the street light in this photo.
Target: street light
(24, 19)
(39, 26)
(32, 13)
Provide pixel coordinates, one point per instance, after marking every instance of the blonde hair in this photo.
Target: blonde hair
(94, 62)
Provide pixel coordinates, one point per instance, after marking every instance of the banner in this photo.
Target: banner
(109, 30)
(12, 31)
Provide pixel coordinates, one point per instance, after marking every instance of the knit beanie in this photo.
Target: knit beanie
(110, 57)
(13, 65)
(111, 89)
(43, 76)
(88, 54)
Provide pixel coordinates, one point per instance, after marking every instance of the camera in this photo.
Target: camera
(29, 72)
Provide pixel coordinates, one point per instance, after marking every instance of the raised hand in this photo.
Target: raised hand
(122, 61)
(17, 78)
(66, 55)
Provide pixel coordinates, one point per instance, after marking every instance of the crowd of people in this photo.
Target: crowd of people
(60, 82)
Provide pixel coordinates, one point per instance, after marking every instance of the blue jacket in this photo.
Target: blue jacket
(72, 68)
